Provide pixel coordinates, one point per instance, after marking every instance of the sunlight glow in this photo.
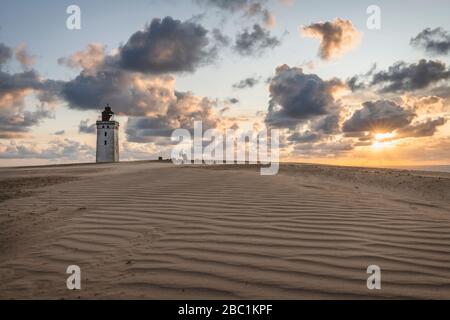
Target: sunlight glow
(383, 140)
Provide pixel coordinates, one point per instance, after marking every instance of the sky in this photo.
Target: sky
(340, 91)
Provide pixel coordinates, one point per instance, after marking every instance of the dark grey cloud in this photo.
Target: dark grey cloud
(304, 137)
(18, 81)
(328, 124)
(49, 91)
(5, 53)
(91, 91)
(435, 41)
(154, 108)
(85, 127)
(127, 93)
(181, 113)
(322, 149)
(15, 85)
(426, 128)
(359, 82)
(248, 8)
(297, 97)
(15, 123)
(319, 129)
(232, 100)
(249, 82)
(378, 116)
(220, 39)
(131, 81)
(402, 77)
(15, 120)
(362, 136)
(229, 5)
(354, 83)
(139, 129)
(255, 41)
(167, 45)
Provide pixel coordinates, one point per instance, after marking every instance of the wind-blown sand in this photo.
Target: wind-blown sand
(154, 230)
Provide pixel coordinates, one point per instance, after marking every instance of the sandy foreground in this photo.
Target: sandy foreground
(158, 231)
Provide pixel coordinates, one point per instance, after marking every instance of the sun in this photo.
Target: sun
(383, 140)
(384, 136)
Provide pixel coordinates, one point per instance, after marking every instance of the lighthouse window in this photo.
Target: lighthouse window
(103, 127)
(106, 133)
(105, 142)
(107, 127)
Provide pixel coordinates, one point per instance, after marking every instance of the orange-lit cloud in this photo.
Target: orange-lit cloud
(336, 37)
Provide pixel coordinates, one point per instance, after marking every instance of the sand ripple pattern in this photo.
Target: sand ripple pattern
(149, 231)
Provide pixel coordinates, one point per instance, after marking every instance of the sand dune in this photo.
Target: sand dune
(158, 231)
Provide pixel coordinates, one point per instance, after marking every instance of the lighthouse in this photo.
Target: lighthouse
(107, 137)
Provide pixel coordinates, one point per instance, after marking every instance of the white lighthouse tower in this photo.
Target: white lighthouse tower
(107, 137)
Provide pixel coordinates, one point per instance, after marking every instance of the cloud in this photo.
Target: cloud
(167, 45)
(248, 8)
(16, 123)
(328, 124)
(354, 83)
(85, 127)
(60, 133)
(304, 137)
(88, 59)
(232, 100)
(5, 54)
(54, 150)
(402, 77)
(25, 59)
(150, 101)
(435, 41)
(256, 9)
(427, 104)
(133, 79)
(15, 120)
(426, 128)
(249, 82)
(336, 37)
(378, 116)
(229, 5)
(358, 82)
(297, 97)
(14, 87)
(322, 149)
(181, 113)
(127, 92)
(255, 42)
(220, 39)
(143, 129)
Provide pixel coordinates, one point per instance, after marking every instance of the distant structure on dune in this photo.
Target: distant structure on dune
(107, 137)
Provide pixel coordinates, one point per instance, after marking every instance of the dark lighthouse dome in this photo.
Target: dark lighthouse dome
(107, 113)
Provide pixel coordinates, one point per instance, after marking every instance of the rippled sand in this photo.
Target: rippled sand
(158, 231)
